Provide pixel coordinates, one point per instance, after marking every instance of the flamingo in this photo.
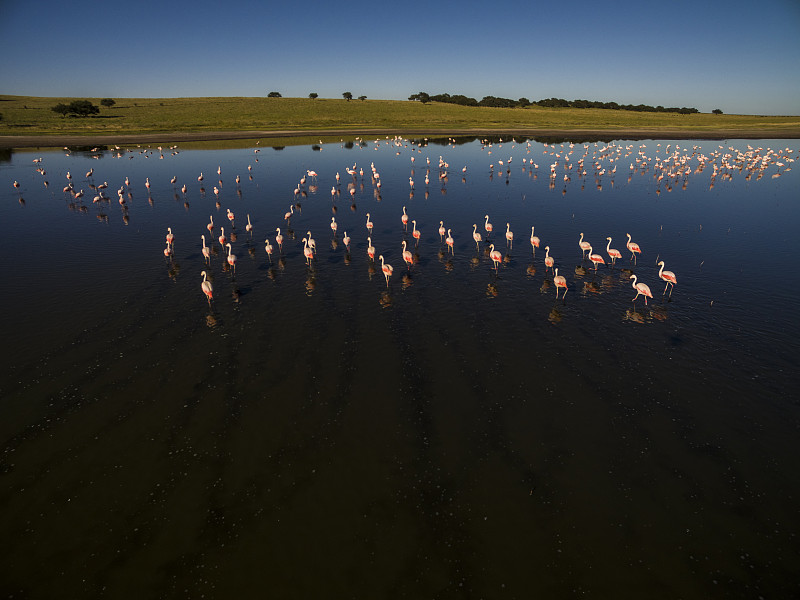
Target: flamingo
(495, 256)
(167, 251)
(534, 241)
(307, 252)
(416, 232)
(441, 230)
(488, 227)
(641, 288)
(170, 237)
(207, 288)
(369, 224)
(612, 252)
(509, 236)
(230, 216)
(147, 182)
(560, 281)
(667, 276)
(548, 260)
(595, 258)
(206, 250)
(387, 269)
(407, 256)
(633, 248)
(289, 214)
(476, 236)
(311, 242)
(231, 258)
(201, 177)
(89, 173)
(312, 174)
(334, 226)
(210, 225)
(249, 226)
(585, 246)
(370, 249)
(184, 189)
(279, 239)
(404, 218)
(449, 241)
(222, 236)
(346, 241)
(174, 179)
(268, 248)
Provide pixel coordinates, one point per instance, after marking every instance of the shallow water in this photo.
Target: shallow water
(460, 433)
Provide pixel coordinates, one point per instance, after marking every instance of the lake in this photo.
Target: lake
(314, 431)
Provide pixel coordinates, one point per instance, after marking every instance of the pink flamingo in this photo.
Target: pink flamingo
(346, 241)
(488, 227)
(416, 232)
(369, 224)
(667, 276)
(334, 226)
(548, 260)
(370, 249)
(279, 239)
(231, 258)
(595, 258)
(387, 269)
(289, 214)
(441, 230)
(407, 256)
(230, 216)
(207, 288)
(206, 250)
(534, 241)
(450, 241)
(210, 225)
(641, 288)
(404, 218)
(307, 252)
(268, 248)
(633, 248)
(170, 237)
(476, 236)
(584, 245)
(249, 226)
(509, 236)
(560, 282)
(495, 256)
(222, 239)
(612, 252)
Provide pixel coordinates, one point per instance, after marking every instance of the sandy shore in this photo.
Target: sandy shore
(30, 141)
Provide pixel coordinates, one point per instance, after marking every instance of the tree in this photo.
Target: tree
(313, 95)
(83, 108)
(60, 108)
(108, 102)
(523, 102)
(362, 98)
(347, 96)
(423, 97)
(717, 111)
(79, 108)
(274, 95)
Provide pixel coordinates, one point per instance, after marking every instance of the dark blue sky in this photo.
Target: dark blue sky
(741, 57)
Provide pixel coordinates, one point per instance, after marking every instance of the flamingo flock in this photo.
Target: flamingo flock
(669, 166)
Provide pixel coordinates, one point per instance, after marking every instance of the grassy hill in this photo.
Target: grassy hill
(28, 116)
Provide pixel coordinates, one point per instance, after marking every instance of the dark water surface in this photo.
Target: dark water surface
(314, 434)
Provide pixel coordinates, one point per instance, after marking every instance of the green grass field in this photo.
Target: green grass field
(27, 115)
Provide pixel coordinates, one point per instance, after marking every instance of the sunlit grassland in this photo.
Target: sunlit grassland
(27, 115)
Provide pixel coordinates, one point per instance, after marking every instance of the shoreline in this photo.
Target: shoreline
(51, 140)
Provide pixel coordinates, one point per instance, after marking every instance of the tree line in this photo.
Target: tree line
(495, 102)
